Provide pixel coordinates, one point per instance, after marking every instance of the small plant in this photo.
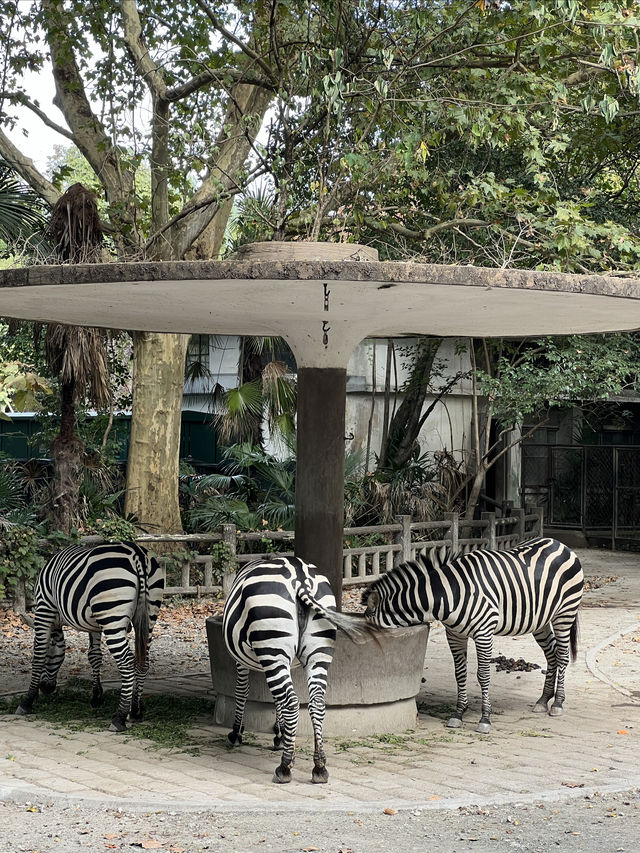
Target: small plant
(114, 529)
(20, 557)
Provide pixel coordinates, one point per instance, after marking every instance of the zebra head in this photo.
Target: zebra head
(379, 602)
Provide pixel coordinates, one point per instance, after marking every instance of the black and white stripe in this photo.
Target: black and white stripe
(279, 610)
(102, 590)
(533, 588)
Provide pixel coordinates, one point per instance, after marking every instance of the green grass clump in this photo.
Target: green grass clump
(168, 719)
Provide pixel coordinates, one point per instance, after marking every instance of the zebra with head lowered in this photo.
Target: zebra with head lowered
(279, 610)
(533, 588)
(105, 589)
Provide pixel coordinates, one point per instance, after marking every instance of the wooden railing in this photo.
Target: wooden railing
(212, 572)
(361, 563)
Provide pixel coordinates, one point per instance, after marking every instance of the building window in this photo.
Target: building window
(197, 363)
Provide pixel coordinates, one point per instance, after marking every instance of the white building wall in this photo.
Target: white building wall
(447, 427)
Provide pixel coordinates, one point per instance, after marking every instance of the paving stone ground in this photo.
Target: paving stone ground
(595, 746)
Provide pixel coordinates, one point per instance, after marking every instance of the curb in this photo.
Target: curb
(27, 793)
(592, 664)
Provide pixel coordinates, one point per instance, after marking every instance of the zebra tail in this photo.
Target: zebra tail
(141, 620)
(573, 639)
(355, 628)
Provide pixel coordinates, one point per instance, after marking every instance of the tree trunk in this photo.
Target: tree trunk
(405, 425)
(153, 463)
(66, 454)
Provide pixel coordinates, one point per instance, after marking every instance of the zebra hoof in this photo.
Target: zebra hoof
(319, 775)
(117, 725)
(277, 744)
(540, 708)
(454, 723)
(483, 728)
(22, 712)
(556, 711)
(47, 687)
(282, 775)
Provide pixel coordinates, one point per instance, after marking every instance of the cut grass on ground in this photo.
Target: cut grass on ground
(168, 718)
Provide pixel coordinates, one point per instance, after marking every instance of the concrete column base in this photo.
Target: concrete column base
(371, 690)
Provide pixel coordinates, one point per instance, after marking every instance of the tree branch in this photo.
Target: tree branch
(26, 168)
(139, 51)
(23, 100)
(248, 51)
(88, 132)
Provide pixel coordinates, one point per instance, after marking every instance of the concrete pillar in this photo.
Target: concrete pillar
(320, 470)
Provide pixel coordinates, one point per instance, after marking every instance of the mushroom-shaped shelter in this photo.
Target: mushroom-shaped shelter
(323, 299)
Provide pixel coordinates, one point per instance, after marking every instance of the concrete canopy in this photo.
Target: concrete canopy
(323, 299)
(323, 308)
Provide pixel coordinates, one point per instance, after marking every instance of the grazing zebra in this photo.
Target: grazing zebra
(533, 588)
(278, 610)
(106, 589)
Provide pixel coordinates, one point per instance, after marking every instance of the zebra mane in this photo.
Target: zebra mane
(437, 556)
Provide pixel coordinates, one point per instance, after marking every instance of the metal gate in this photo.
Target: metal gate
(595, 489)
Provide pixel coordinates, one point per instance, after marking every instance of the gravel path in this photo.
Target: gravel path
(594, 824)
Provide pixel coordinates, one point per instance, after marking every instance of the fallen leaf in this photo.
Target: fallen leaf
(623, 731)
(573, 784)
(110, 835)
(390, 811)
(435, 797)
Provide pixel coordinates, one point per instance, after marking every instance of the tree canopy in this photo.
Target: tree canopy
(460, 132)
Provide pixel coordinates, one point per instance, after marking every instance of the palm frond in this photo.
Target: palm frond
(79, 355)
(240, 411)
(20, 209)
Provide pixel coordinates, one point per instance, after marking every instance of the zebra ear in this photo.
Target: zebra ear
(371, 599)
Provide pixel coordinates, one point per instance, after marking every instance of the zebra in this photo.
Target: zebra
(535, 588)
(277, 610)
(106, 589)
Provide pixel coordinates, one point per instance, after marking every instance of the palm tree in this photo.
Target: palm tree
(76, 354)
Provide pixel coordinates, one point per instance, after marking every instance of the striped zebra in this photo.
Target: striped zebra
(533, 588)
(279, 610)
(106, 589)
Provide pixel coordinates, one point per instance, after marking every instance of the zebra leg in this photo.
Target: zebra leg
(277, 733)
(141, 671)
(458, 646)
(118, 646)
(484, 648)
(546, 639)
(562, 659)
(44, 620)
(317, 681)
(95, 661)
(242, 691)
(53, 661)
(287, 710)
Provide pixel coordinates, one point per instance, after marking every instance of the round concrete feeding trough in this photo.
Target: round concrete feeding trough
(324, 299)
(371, 690)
